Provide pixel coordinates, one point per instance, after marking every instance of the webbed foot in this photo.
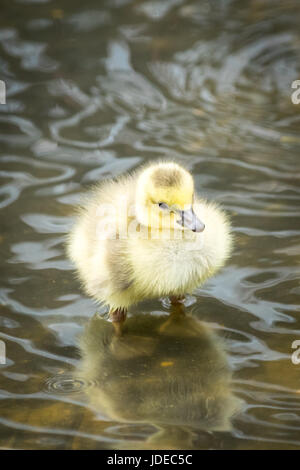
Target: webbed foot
(177, 299)
(118, 317)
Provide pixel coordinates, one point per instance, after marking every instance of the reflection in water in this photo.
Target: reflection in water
(168, 371)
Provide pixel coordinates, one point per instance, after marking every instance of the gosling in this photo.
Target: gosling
(147, 235)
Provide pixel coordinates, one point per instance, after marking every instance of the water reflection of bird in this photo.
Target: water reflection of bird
(140, 236)
(168, 371)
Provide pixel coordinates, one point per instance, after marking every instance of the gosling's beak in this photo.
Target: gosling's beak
(189, 220)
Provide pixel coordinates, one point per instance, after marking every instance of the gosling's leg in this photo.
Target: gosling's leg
(177, 299)
(118, 317)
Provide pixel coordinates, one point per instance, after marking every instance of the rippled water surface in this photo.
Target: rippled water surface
(94, 89)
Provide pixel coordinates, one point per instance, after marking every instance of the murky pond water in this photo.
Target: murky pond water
(94, 89)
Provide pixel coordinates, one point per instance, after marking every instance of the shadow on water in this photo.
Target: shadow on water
(169, 371)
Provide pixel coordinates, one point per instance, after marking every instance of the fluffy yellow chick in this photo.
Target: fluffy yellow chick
(147, 235)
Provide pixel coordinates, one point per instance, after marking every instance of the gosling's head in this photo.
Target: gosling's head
(165, 197)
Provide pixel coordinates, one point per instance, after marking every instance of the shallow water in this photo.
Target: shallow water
(92, 91)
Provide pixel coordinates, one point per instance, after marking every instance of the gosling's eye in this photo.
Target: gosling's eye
(163, 205)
